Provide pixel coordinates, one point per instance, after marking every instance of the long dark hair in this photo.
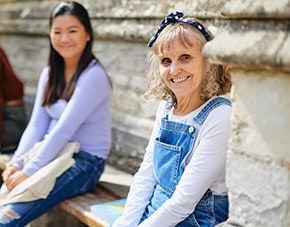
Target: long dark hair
(56, 87)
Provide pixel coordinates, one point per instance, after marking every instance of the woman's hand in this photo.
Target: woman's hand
(9, 171)
(14, 178)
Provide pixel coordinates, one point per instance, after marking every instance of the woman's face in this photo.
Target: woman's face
(68, 37)
(182, 68)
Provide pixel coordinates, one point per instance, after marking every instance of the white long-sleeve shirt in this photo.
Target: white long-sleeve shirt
(206, 169)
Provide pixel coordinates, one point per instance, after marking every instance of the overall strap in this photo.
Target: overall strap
(200, 118)
(202, 115)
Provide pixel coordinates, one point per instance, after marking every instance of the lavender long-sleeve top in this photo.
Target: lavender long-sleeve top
(85, 118)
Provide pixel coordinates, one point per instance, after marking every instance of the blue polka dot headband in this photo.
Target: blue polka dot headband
(175, 18)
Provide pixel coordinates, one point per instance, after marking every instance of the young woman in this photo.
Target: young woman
(72, 104)
(181, 181)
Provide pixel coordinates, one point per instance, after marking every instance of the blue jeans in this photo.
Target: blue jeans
(210, 211)
(81, 178)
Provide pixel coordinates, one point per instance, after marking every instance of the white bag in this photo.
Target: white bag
(39, 185)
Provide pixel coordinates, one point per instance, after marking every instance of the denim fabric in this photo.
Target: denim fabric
(172, 149)
(79, 179)
(210, 211)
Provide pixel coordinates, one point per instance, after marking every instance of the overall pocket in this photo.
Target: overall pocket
(166, 162)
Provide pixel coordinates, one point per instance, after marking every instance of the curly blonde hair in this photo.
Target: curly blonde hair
(217, 78)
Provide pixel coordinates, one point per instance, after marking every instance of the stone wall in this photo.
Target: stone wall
(252, 36)
(256, 43)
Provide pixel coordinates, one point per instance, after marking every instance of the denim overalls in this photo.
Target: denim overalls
(173, 150)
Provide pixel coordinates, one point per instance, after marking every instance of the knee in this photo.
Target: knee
(7, 215)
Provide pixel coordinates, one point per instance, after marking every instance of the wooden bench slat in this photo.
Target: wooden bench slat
(114, 184)
(79, 206)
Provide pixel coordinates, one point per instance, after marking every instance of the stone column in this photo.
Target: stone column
(256, 43)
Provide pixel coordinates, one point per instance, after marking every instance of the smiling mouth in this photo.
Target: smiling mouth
(66, 46)
(179, 79)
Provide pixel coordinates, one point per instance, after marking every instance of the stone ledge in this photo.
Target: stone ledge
(128, 30)
(252, 44)
(132, 20)
(256, 9)
(115, 9)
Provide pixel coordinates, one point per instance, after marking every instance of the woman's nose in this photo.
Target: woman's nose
(175, 68)
(64, 37)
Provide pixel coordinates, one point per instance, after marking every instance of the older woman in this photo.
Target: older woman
(181, 181)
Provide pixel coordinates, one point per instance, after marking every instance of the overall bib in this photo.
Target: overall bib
(172, 151)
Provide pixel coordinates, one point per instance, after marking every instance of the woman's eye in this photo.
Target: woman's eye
(185, 57)
(73, 31)
(165, 61)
